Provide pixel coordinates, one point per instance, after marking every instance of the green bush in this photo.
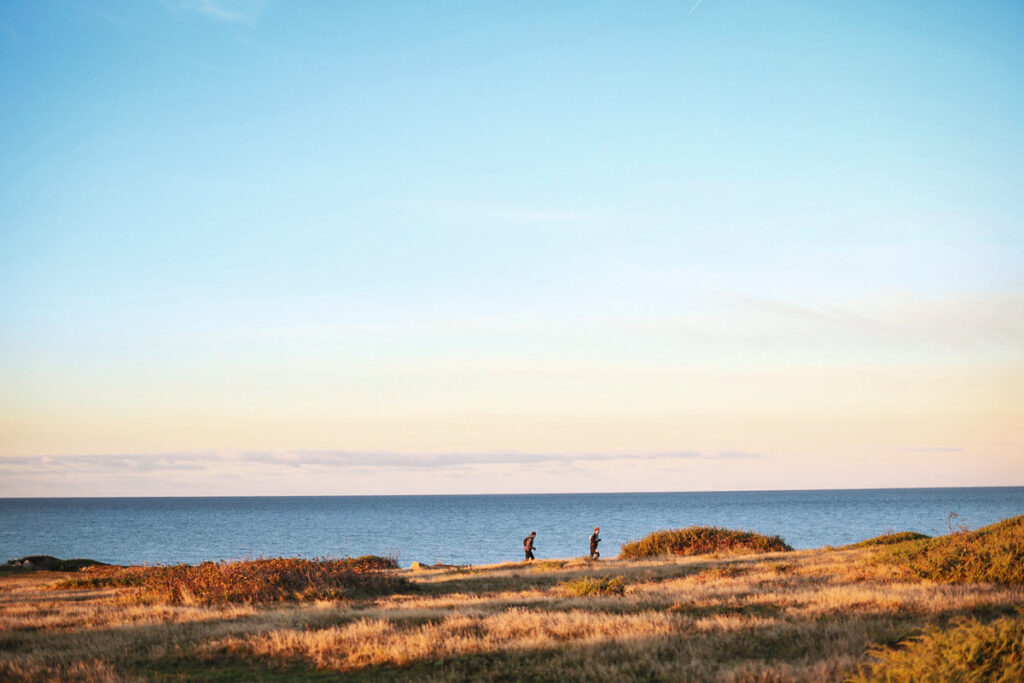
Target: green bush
(969, 651)
(889, 539)
(701, 540)
(993, 554)
(586, 586)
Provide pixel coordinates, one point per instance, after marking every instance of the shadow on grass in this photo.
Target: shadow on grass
(678, 656)
(163, 651)
(526, 577)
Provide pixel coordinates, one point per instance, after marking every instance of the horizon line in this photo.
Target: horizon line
(560, 493)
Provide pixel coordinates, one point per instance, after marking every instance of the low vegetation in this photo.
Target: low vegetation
(48, 563)
(967, 651)
(831, 614)
(264, 580)
(889, 539)
(701, 540)
(589, 585)
(994, 553)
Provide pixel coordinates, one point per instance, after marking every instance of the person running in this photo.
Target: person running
(594, 540)
(528, 546)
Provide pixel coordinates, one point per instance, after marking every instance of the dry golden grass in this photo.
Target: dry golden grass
(796, 616)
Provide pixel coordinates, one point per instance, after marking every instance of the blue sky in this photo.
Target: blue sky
(591, 235)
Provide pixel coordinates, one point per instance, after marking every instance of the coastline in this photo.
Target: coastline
(805, 615)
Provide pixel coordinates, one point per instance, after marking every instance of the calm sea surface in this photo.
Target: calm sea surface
(465, 529)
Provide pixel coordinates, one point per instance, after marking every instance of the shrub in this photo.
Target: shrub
(586, 586)
(701, 540)
(992, 554)
(264, 580)
(889, 539)
(969, 651)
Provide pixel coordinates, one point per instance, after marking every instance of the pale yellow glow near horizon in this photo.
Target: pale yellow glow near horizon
(796, 414)
(821, 403)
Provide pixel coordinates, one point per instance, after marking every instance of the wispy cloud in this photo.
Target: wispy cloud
(966, 323)
(735, 455)
(485, 214)
(235, 11)
(9, 33)
(328, 460)
(695, 6)
(108, 463)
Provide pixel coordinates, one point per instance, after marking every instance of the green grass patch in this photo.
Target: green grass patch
(588, 585)
(968, 651)
(993, 554)
(701, 540)
(889, 539)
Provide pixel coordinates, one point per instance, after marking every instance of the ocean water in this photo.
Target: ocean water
(466, 529)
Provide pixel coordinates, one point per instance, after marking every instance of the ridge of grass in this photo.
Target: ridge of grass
(701, 540)
(889, 539)
(992, 554)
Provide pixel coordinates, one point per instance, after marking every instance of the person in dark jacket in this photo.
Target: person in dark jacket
(594, 540)
(528, 545)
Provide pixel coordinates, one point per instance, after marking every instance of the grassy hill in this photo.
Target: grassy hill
(994, 553)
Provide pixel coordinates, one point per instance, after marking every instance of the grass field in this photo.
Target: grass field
(828, 614)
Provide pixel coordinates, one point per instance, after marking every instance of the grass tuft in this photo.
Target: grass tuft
(587, 586)
(969, 651)
(701, 540)
(264, 580)
(992, 554)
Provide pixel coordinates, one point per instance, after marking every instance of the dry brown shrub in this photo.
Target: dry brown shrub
(264, 580)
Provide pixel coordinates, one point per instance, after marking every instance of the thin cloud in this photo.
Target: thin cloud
(485, 213)
(235, 11)
(326, 459)
(109, 463)
(694, 8)
(735, 455)
(963, 323)
(9, 33)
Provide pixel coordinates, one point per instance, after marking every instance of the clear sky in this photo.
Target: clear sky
(267, 247)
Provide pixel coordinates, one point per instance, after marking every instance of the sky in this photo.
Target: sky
(253, 247)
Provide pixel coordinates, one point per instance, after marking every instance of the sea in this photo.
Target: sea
(468, 529)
